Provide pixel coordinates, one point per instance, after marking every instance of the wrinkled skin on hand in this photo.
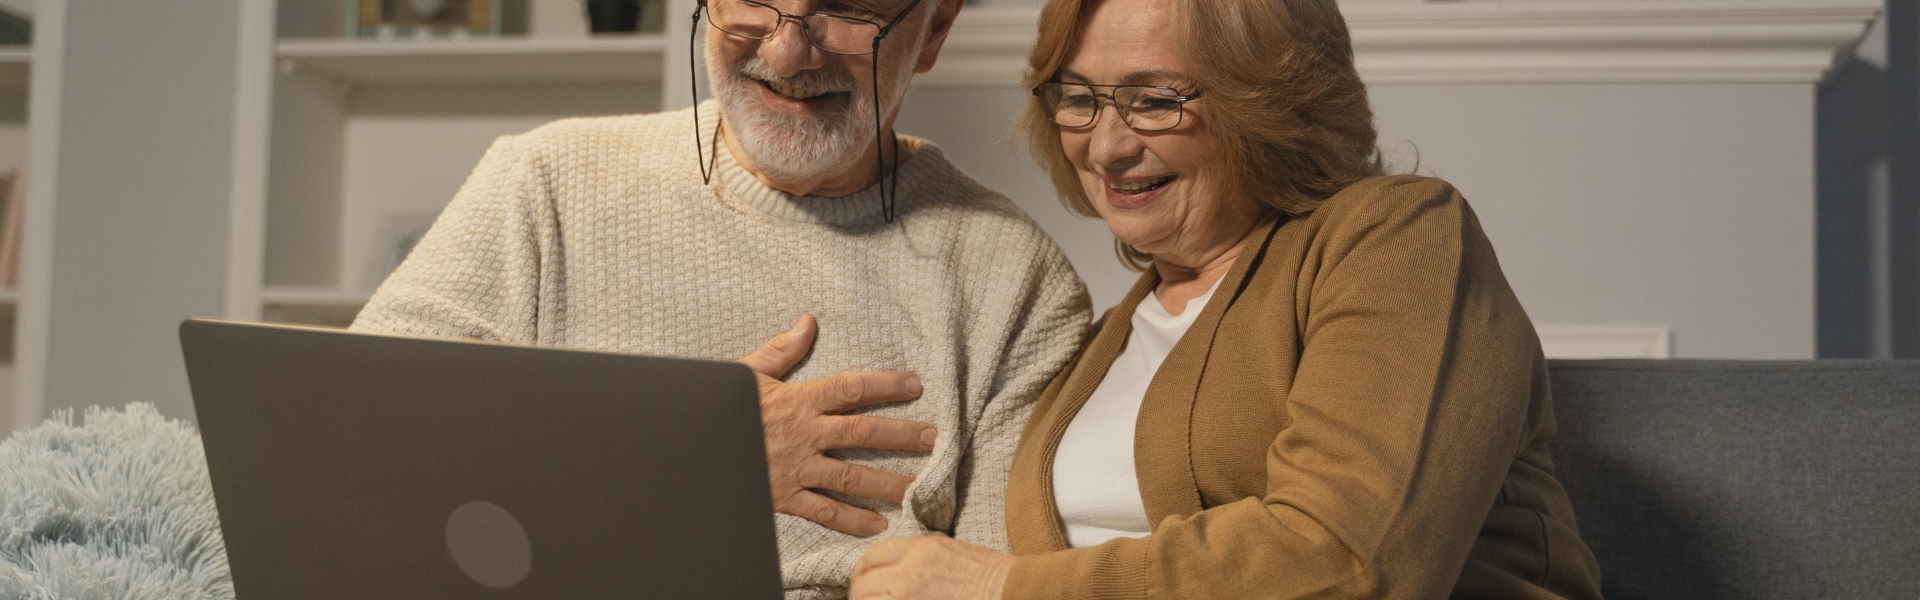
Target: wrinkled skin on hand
(804, 420)
(929, 568)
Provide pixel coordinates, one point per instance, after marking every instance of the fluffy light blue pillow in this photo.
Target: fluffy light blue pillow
(117, 509)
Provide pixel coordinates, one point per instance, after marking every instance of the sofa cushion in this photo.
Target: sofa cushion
(1744, 479)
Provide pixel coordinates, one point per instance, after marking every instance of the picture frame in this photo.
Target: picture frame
(454, 18)
(399, 233)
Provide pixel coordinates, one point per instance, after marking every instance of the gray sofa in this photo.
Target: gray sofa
(1702, 480)
(1744, 479)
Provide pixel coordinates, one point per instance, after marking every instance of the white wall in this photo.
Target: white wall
(1665, 205)
(1689, 206)
(973, 127)
(1685, 206)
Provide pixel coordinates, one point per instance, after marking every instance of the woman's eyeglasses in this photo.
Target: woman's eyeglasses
(1141, 107)
(851, 34)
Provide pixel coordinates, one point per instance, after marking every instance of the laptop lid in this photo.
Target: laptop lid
(349, 465)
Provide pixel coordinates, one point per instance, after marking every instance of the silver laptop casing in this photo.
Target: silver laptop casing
(337, 459)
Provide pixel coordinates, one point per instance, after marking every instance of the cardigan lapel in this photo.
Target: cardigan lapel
(1087, 372)
(1163, 435)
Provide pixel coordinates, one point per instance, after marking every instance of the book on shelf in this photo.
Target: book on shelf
(14, 206)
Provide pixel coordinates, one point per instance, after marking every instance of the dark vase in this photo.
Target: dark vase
(608, 16)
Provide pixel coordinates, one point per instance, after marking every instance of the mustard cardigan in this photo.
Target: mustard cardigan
(1361, 411)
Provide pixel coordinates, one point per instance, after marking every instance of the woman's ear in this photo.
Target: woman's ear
(937, 30)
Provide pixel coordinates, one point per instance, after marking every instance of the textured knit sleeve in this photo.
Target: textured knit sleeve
(480, 270)
(1051, 325)
(1411, 397)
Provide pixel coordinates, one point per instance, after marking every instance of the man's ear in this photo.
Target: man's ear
(937, 30)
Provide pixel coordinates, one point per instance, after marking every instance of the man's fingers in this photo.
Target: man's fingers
(854, 480)
(841, 393)
(834, 514)
(879, 433)
(780, 353)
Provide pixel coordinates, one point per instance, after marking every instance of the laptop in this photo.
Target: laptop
(349, 465)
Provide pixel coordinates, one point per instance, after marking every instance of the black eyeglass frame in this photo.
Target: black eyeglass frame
(806, 29)
(888, 195)
(1172, 94)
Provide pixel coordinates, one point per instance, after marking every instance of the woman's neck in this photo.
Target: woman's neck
(1183, 280)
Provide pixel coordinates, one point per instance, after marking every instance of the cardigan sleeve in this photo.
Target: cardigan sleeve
(1416, 373)
(480, 270)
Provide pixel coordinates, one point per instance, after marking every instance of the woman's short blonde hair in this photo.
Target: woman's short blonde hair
(1286, 111)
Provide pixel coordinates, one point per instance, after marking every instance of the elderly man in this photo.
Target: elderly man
(942, 311)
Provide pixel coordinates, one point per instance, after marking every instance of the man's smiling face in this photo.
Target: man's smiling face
(800, 113)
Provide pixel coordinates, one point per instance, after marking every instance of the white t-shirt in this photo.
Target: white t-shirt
(1094, 484)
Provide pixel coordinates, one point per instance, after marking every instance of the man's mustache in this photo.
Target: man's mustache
(807, 83)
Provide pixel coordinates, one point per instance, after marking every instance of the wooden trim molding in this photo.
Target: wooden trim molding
(1606, 341)
(1526, 42)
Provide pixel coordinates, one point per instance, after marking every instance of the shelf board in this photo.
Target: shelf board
(356, 61)
(311, 296)
(15, 64)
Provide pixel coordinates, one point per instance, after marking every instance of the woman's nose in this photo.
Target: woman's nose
(1112, 144)
(788, 50)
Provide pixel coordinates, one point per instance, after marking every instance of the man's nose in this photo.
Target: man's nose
(788, 52)
(1113, 145)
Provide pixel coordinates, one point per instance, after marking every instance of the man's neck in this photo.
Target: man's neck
(852, 177)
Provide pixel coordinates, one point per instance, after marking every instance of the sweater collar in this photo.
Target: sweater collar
(738, 187)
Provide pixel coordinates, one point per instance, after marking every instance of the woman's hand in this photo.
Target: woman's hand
(929, 568)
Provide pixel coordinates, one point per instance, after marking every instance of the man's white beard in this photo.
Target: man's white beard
(784, 147)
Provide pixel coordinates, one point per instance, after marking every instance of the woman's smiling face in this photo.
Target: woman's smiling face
(1152, 188)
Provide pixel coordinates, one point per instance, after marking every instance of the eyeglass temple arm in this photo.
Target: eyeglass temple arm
(693, 88)
(880, 164)
(891, 23)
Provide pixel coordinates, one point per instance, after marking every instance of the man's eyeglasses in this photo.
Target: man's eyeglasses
(1141, 107)
(850, 34)
(836, 33)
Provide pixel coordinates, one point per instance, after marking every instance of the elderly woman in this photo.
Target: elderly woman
(1321, 386)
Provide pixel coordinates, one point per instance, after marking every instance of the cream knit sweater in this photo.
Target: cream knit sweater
(597, 233)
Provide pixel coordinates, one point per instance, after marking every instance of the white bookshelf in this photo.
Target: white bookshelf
(16, 68)
(313, 295)
(595, 60)
(310, 305)
(367, 133)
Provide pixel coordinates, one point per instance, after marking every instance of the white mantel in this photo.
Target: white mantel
(1651, 41)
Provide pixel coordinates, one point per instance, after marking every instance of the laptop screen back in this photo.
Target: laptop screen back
(348, 465)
